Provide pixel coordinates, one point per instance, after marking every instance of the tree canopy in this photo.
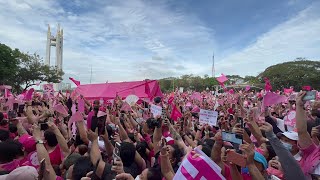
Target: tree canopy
(22, 70)
(297, 73)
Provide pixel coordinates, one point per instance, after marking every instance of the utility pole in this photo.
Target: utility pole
(213, 69)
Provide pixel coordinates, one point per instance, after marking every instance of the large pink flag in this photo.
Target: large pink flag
(175, 114)
(273, 98)
(75, 81)
(28, 96)
(198, 168)
(222, 78)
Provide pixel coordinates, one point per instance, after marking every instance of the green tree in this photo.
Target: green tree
(23, 70)
(296, 73)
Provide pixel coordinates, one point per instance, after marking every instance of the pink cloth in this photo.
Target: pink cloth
(123, 89)
(222, 78)
(310, 159)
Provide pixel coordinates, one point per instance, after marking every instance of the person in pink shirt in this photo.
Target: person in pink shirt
(310, 152)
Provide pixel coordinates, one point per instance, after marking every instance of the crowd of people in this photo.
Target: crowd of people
(50, 138)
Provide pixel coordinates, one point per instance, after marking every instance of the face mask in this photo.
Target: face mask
(137, 178)
(287, 146)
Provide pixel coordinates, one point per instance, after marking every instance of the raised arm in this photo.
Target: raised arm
(61, 140)
(290, 166)
(49, 173)
(166, 167)
(301, 123)
(95, 154)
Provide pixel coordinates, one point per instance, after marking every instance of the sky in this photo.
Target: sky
(125, 40)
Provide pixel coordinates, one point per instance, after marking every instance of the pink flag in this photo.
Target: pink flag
(222, 78)
(306, 88)
(198, 168)
(195, 109)
(231, 91)
(147, 89)
(156, 91)
(126, 107)
(61, 109)
(273, 98)
(170, 100)
(75, 118)
(75, 81)
(267, 86)
(81, 105)
(196, 96)
(175, 114)
(29, 94)
(247, 88)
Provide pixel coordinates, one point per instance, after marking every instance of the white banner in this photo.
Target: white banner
(208, 117)
(156, 110)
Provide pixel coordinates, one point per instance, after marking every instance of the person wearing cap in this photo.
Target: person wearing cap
(24, 172)
(289, 140)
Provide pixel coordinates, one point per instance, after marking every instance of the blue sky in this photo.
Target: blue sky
(137, 39)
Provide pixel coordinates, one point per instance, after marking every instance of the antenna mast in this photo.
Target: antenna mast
(213, 70)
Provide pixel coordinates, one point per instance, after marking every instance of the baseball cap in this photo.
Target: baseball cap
(28, 142)
(24, 172)
(261, 159)
(291, 135)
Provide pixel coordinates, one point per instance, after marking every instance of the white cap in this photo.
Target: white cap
(24, 172)
(291, 135)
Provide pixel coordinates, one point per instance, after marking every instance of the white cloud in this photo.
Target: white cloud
(136, 39)
(117, 38)
(298, 37)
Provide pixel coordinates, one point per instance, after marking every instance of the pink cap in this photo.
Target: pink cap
(24, 172)
(28, 142)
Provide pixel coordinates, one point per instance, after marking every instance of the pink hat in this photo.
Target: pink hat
(28, 142)
(101, 113)
(24, 172)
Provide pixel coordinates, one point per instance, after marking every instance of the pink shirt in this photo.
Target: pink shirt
(56, 156)
(310, 159)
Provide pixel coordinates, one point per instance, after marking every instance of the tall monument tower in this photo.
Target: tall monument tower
(57, 42)
(213, 69)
